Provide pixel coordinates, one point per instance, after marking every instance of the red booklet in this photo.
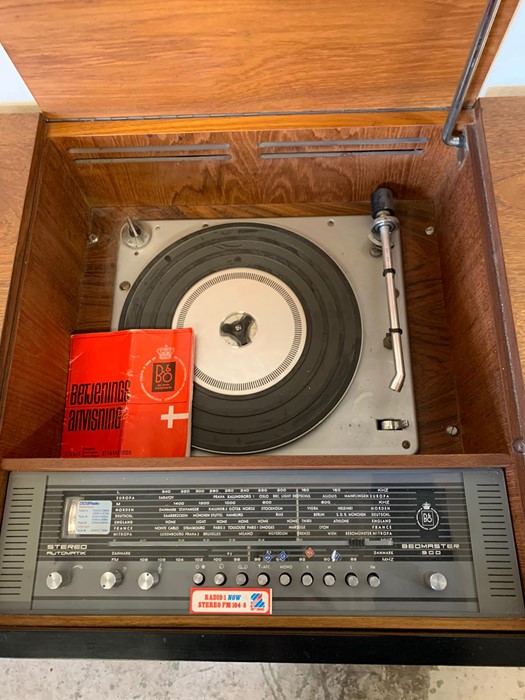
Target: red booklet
(129, 394)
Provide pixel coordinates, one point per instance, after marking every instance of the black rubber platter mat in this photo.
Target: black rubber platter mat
(312, 389)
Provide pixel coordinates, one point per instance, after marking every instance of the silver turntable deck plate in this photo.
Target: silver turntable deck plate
(352, 426)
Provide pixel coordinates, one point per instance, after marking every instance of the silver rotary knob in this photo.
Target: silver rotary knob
(263, 579)
(57, 579)
(198, 578)
(147, 580)
(436, 581)
(110, 579)
(351, 580)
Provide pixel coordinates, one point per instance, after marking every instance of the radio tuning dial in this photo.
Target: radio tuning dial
(110, 579)
(436, 581)
(57, 579)
(147, 580)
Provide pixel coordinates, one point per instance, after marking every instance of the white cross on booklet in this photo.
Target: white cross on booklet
(171, 416)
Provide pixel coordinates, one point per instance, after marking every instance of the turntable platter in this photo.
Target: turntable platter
(277, 326)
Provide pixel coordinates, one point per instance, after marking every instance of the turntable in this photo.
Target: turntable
(293, 338)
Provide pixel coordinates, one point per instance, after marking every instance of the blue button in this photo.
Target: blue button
(268, 556)
(283, 556)
(335, 556)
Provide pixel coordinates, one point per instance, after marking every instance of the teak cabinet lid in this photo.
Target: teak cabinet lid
(108, 58)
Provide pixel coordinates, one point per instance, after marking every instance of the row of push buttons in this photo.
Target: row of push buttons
(329, 579)
(285, 579)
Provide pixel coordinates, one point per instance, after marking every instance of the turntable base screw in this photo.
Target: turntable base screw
(125, 286)
(452, 430)
(429, 230)
(405, 445)
(519, 446)
(92, 238)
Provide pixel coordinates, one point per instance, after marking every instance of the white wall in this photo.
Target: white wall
(12, 88)
(508, 68)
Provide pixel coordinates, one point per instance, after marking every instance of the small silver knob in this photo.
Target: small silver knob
(219, 579)
(241, 579)
(307, 579)
(373, 580)
(198, 578)
(436, 581)
(147, 580)
(110, 579)
(57, 579)
(352, 580)
(285, 579)
(329, 580)
(263, 579)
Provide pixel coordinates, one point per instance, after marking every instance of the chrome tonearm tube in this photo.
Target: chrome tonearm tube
(383, 226)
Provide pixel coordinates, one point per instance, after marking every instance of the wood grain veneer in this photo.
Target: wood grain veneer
(21, 137)
(468, 296)
(102, 59)
(271, 462)
(44, 313)
(503, 121)
(17, 137)
(241, 623)
(232, 167)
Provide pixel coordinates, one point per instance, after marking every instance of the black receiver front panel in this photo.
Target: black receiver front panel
(422, 542)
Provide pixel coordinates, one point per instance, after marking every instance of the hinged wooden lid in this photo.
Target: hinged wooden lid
(109, 58)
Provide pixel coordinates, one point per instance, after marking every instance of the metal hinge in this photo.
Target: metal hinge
(289, 113)
(448, 136)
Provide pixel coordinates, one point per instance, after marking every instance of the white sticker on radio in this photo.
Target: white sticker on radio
(93, 518)
(231, 601)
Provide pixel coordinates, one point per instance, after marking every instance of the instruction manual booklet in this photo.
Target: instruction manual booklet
(129, 394)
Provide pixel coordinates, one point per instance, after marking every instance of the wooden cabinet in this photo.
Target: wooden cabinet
(342, 100)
